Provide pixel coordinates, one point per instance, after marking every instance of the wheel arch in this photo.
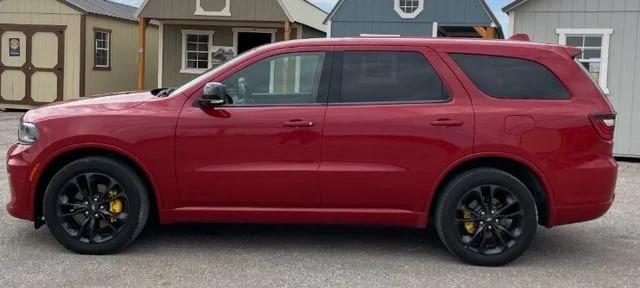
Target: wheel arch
(522, 169)
(50, 167)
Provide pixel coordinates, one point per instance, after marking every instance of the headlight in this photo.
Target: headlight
(27, 133)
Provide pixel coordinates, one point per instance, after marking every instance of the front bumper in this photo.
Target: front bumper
(19, 171)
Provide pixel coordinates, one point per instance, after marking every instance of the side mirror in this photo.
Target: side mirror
(214, 95)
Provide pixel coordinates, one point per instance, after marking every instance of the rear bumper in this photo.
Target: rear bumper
(584, 192)
(579, 213)
(20, 204)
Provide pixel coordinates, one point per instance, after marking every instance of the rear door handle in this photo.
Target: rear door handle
(447, 123)
(298, 123)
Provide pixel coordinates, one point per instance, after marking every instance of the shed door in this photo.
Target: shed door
(31, 64)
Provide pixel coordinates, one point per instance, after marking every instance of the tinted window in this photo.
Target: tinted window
(390, 77)
(284, 79)
(511, 78)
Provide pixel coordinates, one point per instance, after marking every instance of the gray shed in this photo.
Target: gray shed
(421, 18)
(608, 31)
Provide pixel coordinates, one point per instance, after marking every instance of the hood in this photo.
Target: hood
(89, 105)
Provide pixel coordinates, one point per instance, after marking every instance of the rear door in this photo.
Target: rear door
(397, 118)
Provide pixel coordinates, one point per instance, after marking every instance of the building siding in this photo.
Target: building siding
(241, 10)
(124, 39)
(541, 18)
(172, 47)
(51, 12)
(355, 17)
(308, 33)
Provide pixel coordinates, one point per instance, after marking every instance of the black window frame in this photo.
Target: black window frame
(550, 71)
(335, 91)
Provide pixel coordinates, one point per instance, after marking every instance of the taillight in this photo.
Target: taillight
(605, 125)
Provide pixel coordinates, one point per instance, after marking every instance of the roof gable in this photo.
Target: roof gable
(486, 9)
(298, 11)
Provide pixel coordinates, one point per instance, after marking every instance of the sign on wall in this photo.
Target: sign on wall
(221, 54)
(14, 47)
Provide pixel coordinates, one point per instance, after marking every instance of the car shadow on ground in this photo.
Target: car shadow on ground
(310, 238)
(550, 245)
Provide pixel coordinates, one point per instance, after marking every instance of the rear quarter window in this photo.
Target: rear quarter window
(511, 78)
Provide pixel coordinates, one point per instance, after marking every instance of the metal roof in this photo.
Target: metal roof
(512, 5)
(105, 8)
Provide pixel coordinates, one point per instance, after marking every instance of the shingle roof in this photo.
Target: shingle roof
(105, 8)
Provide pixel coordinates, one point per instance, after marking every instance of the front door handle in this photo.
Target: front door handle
(447, 123)
(298, 123)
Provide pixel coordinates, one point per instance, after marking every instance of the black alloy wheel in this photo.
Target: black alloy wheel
(96, 205)
(486, 217)
(92, 208)
(489, 219)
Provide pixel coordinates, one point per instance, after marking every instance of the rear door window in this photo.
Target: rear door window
(389, 76)
(511, 78)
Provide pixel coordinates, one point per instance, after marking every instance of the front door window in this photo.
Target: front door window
(285, 79)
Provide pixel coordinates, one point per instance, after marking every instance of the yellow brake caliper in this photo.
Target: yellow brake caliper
(469, 226)
(115, 205)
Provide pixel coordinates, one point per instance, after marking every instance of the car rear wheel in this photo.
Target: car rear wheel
(96, 205)
(486, 217)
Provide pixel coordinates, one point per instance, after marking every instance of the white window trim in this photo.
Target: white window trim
(108, 48)
(256, 30)
(606, 38)
(396, 6)
(226, 11)
(184, 68)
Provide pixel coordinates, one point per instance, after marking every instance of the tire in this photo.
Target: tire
(102, 173)
(492, 240)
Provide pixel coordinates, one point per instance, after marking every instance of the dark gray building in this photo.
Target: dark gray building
(423, 18)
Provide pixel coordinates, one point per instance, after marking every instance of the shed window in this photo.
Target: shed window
(595, 50)
(408, 8)
(196, 47)
(102, 53)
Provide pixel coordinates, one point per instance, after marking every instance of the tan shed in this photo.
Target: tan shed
(54, 50)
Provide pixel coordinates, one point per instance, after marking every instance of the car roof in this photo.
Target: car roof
(438, 44)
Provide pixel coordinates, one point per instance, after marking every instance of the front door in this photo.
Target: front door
(31, 65)
(250, 40)
(263, 149)
(396, 119)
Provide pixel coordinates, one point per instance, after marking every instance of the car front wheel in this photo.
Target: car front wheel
(96, 205)
(486, 217)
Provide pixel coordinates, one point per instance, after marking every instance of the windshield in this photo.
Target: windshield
(211, 71)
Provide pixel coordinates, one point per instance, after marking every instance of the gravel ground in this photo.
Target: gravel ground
(601, 253)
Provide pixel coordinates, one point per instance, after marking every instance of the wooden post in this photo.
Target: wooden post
(287, 30)
(142, 34)
(491, 33)
(486, 33)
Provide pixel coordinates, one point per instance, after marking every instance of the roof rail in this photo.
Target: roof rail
(520, 37)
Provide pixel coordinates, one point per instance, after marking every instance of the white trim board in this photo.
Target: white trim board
(606, 39)
(160, 52)
(226, 11)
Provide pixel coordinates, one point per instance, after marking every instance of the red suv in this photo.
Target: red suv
(484, 139)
